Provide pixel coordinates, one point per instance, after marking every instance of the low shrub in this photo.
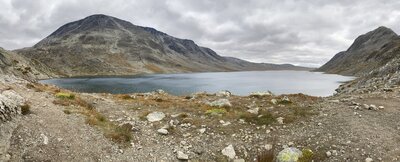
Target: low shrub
(264, 118)
(63, 95)
(215, 111)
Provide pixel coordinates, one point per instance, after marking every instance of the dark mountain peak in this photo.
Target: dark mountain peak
(375, 38)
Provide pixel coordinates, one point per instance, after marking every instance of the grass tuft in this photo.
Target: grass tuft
(307, 156)
(64, 95)
(25, 109)
(264, 118)
(215, 111)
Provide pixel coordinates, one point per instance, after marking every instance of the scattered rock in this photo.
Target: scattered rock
(268, 147)
(372, 107)
(254, 110)
(328, 154)
(220, 103)
(274, 101)
(289, 154)
(162, 131)
(155, 116)
(285, 99)
(223, 93)
(45, 139)
(280, 120)
(202, 130)
(260, 94)
(369, 160)
(229, 151)
(381, 107)
(182, 156)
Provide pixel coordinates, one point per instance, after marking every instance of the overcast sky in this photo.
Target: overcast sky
(300, 32)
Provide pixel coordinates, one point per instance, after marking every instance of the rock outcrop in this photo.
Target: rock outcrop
(10, 105)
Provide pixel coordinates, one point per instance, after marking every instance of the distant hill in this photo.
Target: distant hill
(105, 45)
(368, 52)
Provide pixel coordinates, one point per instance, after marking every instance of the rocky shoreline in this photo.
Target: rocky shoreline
(67, 126)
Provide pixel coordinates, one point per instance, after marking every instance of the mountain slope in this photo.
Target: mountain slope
(105, 45)
(13, 64)
(368, 52)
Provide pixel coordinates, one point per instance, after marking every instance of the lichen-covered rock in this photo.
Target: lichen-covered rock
(290, 154)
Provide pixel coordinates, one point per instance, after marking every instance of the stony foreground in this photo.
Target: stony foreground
(65, 126)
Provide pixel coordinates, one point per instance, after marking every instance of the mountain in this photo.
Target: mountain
(374, 58)
(368, 52)
(105, 45)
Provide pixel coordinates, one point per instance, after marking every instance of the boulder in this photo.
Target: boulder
(155, 116)
(229, 152)
(223, 93)
(289, 154)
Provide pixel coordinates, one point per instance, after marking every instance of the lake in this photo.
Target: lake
(239, 83)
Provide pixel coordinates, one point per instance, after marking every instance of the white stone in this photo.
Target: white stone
(369, 160)
(45, 139)
(155, 116)
(268, 147)
(280, 120)
(274, 101)
(239, 160)
(328, 154)
(260, 94)
(182, 156)
(202, 130)
(223, 93)
(162, 131)
(229, 151)
(254, 110)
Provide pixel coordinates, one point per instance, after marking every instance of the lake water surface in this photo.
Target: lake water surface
(239, 83)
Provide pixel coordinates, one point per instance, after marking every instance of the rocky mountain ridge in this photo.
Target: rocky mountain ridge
(105, 45)
(368, 52)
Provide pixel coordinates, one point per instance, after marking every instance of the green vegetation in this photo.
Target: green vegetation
(215, 111)
(63, 95)
(307, 156)
(67, 112)
(264, 118)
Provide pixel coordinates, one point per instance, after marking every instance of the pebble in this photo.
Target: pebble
(162, 131)
(182, 156)
(328, 154)
(369, 160)
(280, 120)
(202, 130)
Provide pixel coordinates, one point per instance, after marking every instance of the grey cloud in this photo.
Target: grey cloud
(300, 32)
